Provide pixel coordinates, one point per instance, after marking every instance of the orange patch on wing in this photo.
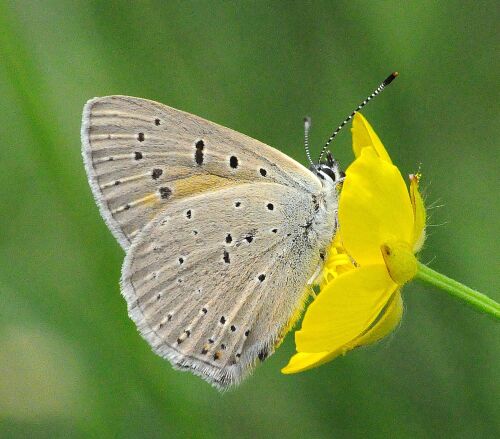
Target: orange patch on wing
(196, 184)
(148, 199)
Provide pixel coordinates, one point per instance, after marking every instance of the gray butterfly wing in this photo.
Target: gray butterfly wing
(140, 155)
(213, 282)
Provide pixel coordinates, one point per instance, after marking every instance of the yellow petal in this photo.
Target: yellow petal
(390, 318)
(374, 208)
(345, 309)
(387, 322)
(363, 136)
(419, 213)
(302, 361)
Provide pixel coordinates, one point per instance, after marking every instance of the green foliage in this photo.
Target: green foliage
(72, 363)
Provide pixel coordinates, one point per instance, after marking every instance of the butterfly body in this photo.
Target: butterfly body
(222, 233)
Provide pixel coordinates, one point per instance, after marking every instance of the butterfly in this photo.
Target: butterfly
(223, 234)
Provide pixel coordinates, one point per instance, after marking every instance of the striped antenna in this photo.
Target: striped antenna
(384, 84)
(307, 127)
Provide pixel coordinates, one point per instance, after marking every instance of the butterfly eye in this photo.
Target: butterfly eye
(326, 170)
(330, 173)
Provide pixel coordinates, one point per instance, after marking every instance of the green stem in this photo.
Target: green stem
(472, 297)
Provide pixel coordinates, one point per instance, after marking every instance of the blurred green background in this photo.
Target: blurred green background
(72, 363)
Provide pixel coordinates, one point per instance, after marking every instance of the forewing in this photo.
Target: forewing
(141, 155)
(214, 280)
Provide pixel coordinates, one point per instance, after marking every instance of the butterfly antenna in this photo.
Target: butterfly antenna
(307, 127)
(384, 84)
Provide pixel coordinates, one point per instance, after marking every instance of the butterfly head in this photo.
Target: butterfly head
(329, 170)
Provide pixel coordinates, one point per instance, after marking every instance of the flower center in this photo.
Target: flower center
(338, 262)
(400, 261)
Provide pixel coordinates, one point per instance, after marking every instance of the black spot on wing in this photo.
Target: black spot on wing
(165, 192)
(198, 155)
(156, 174)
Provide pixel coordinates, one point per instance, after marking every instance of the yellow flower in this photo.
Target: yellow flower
(382, 225)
